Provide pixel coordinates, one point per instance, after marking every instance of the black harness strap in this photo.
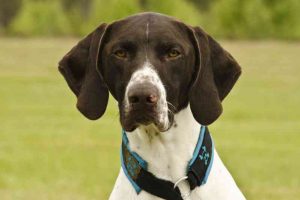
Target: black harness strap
(158, 187)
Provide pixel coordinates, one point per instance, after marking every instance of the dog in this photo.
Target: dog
(169, 80)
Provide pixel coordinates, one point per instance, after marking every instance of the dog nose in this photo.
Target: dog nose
(143, 94)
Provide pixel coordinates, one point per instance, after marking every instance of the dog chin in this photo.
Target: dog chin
(132, 119)
(158, 126)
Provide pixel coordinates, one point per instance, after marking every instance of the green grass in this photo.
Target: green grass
(49, 151)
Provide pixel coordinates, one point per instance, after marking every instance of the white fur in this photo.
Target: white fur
(147, 74)
(168, 153)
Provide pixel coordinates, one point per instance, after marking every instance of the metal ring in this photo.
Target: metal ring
(181, 179)
(184, 196)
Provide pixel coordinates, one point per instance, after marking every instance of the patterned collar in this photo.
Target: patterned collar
(198, 169)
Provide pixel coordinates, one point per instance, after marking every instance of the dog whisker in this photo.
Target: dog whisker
(172, 106)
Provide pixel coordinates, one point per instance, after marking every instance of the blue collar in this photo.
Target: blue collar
(198, 168)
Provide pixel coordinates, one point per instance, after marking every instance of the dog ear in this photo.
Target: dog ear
(217, 71)
(78, 67)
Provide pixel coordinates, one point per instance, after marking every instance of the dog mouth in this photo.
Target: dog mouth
(135, 118)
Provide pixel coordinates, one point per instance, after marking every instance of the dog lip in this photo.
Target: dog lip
(162, 128)
(130, 129)
(135, 119)
(132, 125)
(145, 120)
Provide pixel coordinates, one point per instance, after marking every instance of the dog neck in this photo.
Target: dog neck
(167, 153)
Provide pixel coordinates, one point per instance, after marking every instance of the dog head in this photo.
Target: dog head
(154, 66)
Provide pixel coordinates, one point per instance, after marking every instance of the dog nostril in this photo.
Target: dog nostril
(133, 99)
(151, 99)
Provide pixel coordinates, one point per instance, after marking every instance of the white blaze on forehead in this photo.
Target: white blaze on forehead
(147, 74)
(147, 41)
(147, 31)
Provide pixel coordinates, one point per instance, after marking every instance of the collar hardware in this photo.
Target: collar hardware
(180, 180)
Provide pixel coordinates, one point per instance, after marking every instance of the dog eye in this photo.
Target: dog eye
(173, 53)
(120, 54)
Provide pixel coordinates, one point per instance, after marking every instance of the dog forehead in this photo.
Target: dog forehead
(145, 25)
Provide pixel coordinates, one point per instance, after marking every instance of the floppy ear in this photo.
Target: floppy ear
(78, 67)
(217, 71)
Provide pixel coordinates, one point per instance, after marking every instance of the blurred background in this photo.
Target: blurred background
(48, 150)
(234, 19)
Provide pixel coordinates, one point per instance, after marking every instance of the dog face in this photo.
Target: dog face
(154, 66)
(148, 69)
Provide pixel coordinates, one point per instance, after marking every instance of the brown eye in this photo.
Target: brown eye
(121, 53)
(173, 53)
